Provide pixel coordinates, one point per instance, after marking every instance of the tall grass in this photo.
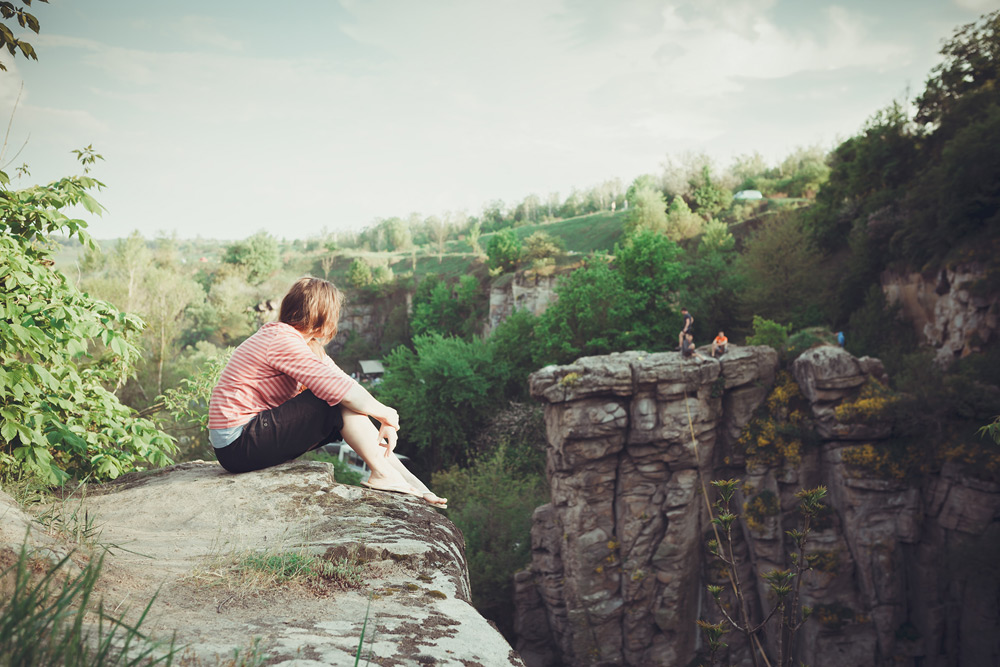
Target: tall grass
(49, 619)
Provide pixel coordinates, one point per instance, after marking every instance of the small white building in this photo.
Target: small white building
(748, 195)
(372, 370)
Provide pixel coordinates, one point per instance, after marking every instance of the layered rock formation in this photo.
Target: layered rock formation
(524, 291)
(946, 309)
(185, 534)
(619, 562)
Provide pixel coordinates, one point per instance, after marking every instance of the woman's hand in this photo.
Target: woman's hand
(388, 428)
(359, 400)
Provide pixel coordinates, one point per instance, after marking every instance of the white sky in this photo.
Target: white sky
(219, 119)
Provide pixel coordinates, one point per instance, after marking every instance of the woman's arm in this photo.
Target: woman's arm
(359, 400)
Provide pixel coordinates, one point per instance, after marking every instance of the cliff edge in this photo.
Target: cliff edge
(187, 533)
(903, 567)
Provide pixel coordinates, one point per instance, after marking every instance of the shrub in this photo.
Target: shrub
(766, 332)
(60, 350)
(492, 504)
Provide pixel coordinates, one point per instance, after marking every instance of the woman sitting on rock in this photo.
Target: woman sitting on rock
(281, 396)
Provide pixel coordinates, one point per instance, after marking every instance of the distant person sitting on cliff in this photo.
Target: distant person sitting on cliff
(687, 347)
(688, 321)
(720, 345)
(281, 396)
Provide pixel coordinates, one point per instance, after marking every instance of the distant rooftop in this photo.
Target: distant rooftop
(371, 367)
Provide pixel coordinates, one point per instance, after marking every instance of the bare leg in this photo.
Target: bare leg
(362, 436)
(388, 472)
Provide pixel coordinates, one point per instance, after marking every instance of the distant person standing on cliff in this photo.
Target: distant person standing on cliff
(688, 321)
(840, 338)
(281, 396)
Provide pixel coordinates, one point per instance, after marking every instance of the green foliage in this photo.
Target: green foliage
(7, 40)
(504, 250)
(876, 330)
(360, 273)
(712, 288)
(681, 222)
(492, 501)
(709, 198)
(784, 584)
(766, 332)
(971, 64)
(649, 210)
(651, 271)
(867, 172)
(514, 349)
(56, 417)
(783, 273)
(603, 308)
(341, 471)
(48, 620)
(187, 403)
(448, 310)
(541, 245)
(443, 392)
(800, 341)
(257, 256)
(992, 430)
(591, 316)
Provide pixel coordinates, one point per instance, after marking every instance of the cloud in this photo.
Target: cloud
(977, 5)
(440, 105)
(205, 31)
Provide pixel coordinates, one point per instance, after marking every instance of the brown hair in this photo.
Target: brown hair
(312, 306)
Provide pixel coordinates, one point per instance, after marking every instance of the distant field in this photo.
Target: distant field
(583, 234)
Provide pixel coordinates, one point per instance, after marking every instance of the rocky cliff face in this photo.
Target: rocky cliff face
(619, 561)
(946, 310)
(526, 291)
(185, 534)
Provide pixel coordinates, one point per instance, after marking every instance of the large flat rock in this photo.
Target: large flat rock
(174, 533)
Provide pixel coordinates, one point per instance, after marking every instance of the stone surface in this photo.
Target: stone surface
(905, 572)
(172, 532)
(526, 290)
(944, 309)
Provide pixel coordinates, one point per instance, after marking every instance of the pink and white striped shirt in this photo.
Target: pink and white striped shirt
(267, 369)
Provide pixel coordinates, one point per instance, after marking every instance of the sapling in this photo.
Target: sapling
(785, 585)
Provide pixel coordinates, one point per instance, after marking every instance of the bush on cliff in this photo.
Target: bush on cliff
(61, 350)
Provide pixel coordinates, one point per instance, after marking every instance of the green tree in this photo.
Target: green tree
(681, 222)
(57, 418)
(713, 286)
(167, 294)
(592, 315)
(504, 250)
(258, 256)
(649, 210)
(782, 270)
(708, 198)
(442, 389)
(651, 272)
(541, 246)
(359, 274)
(971, 64)
(447, 310)
(475, 231)
(514, 351)
(439, 231)
(493, 503)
